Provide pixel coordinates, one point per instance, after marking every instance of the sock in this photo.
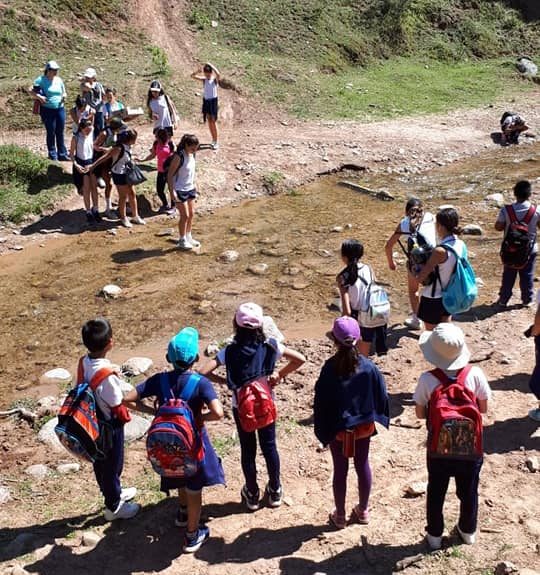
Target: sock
(189, 236)
(183, 238)
(89, 212)
(191, 534)
(108, 205)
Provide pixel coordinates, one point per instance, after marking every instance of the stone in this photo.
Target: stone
(49, 402)
(258, 269)
(528, 571)
(241, 231)
(238, 187)
(496, 200)
(446, 207)
(325, 253)
(67, 468)
(229, 256)
(270, 329)
(526, 67)
(212, 349)
(533, 527)
(204, 307)
(291, 271)
(90, 539)
(137, 366)
(43, 552)
(48, 436)
(135, 428)
(214, 23)
(38, 471)
(110, 291)
(532, 464)
(17, 247)
(17, 570)
(505, 568)
(337, 229)
(472, 230)
(166, 232)
(299, 284)
(416, 489)
(5, 495)
(274, 252)
(480, 282)
(57, 376)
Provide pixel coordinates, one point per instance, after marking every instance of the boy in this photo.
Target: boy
(209, 76)
(183, 353)
(445, 348)
(97, 338)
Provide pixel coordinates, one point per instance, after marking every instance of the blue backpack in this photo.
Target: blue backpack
(459, 295)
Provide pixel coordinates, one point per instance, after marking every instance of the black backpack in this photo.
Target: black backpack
(517, 244)
(167, 163)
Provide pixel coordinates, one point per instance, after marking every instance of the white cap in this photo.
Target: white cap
(52, 65)
(90, 73)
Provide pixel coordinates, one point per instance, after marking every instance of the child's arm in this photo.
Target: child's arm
(198, 75)
(536, 327)
(345, 300)
(216, 71)
(389, 248)
(295, 361)
(421, 411)
(108, 154)
(151, 155)
(214, 413)
(208, 371)
(131, 400)
(173, 168)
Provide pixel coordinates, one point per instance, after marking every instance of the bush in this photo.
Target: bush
(19, 166)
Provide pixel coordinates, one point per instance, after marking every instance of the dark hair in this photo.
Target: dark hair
(84, 123)
(182, 365)
(523, 190)
(413, 203)
(80, 101)
(353, 251)
(345, 360)
(207, 68)
(126, 136)
(162, 136)
(449, 219)
(188, 140)
(248, 335)
(154, 84)
(96, 334)
(110, 90)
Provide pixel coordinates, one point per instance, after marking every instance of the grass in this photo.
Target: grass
(224, 444)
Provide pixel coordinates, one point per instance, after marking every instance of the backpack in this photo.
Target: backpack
(375, 308)
(454, 419)
(507, 115)
(167, 163)
(517, 245)
(174, 445)
(78, 428)
(461, 291)
(256, 406)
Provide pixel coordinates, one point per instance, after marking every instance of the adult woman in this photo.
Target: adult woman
(49, 90)
(161, 109)
(113, 107)
(439, 268)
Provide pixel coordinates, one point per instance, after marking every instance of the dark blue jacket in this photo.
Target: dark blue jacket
(343, 403)
(248, 361)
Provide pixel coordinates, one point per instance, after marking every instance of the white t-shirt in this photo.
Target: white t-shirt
(426, 228)
(427, 383)
(161, 109)
(521, 209)
(119, 165)
(109, 392)
(210, 88)
(184, 180)
(357, 292)
(85, 145)
(446, 268)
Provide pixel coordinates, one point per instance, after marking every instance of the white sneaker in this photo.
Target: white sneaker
(467, 538)
(195, 243)
(215, 146)
(125, 510)
(100, 182)
(138, 220)
(126, 223)
(434, 542)
(413, 322)
(128, 493)
(184, 244)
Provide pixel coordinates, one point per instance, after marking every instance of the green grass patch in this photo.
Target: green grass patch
(224, 444)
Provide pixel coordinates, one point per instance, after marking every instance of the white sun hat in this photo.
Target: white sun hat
(52, 65)
(90, 73)
(445, 347)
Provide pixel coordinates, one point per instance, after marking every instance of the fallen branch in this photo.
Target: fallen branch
(490, 530)
(380, 195)
(482, 357)
(408, 561)
(22, 412)
(343, 168)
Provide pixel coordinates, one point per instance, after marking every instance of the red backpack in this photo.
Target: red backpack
(454, 419)
(517, 245)
(256, 406)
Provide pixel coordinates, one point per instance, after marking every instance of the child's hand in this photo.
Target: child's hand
(273, 379)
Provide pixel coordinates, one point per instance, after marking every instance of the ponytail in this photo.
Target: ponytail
(449, 219)
(187, 140)
(346, 360)
(352, 251)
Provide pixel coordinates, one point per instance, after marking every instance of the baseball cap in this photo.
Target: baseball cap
(184, 347)
(155, 86)
(345, 331)
(445, 347)
(249, 315)
(52, 65)
(90, 73)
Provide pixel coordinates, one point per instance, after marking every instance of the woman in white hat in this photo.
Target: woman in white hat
(95, 97)
(49, 90)
(453, 449)
(161, 109)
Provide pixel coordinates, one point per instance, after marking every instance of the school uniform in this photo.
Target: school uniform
(84, 156)
(210, 98)
(161, 108)
(118, 168)
(184, 179)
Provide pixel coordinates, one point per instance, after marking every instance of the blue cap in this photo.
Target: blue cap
(184, 346)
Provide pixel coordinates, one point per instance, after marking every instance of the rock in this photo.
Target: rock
(58, 376)
(135, 428)
(212, 349)
(38, 471)
(480, 282)
(5, 495)
(110, 291)
(241, 231)
(67, 468)
(17, 570)
(533, 527)
(505, 568)
(337, 229)
(112, 232)
(472, 230)
(270, 329)
(348, 226)
(526, 67)
(17, 248)
(325, 253)
(528, 571)
(43, 552)
(291, 271)
(416, 489)
(136, 366)
(446, 207)
(238, 187)
(532, 464)
(48, 436)
(299, 284)
(90, 539)
(495, 200)
(214, 23)
(229, 256)
(50, 402)
(166, 232)
(204, 307)
(258, 269)
(274, 252)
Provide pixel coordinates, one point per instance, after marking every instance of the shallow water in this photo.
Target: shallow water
(47, 293)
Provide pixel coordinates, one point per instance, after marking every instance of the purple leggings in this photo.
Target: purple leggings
(341, 468)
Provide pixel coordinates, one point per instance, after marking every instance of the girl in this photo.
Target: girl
(82, 152)
(418, 227)
(161, 109)
(162, 149)
(183, 353)
(112, 107)
(209, 75)
(353, 283)
(350, 395)
(181, 183)
(251, 356)
(81, 111)
(120, 154)
(442, 262)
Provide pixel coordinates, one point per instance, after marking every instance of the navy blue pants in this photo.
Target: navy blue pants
(248, 448)
(526, 278)
(467, 476)
(54, 121)
(99, 123)
(109, 469)
(534, 382)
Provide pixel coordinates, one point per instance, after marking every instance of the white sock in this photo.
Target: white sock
(189, 236)
(107, 204)
(183, 238)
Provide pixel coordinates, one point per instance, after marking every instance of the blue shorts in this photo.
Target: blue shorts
(183, 197)
(119, 179)
(210, 108)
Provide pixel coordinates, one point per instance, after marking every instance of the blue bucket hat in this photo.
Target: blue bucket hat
(183, 347)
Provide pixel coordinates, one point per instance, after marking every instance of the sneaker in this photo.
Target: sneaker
(251, 500)
(181, 517)
(110, 214)
(171, 211)
(215, 146)
(467, 538)
(100, 182)
(534, 414)
(64, 159)
(338, 521)
(434, 542)
(163, 209)
(97, 216)
(359, 516)
(128, 493)
(500, 305)
(184, 244)
(195, 243)
(274, 497)
(125, 510)
(138, 220)
(413, 322)
(90, 218)
(194, 542)
(126, 223)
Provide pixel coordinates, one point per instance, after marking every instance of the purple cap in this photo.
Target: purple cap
(346, 331)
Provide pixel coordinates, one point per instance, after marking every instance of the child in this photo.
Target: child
(209, 75)
(81, 111)
(534, 382)
(181, 183)
(112, 108)
(353, 282)
(350, 395)
(445, 348)
(94, 94)
(161, 109)
(162, 148)
(253, 357)
(512, 125)
(97, 338)
(82, 152)
(183, 353)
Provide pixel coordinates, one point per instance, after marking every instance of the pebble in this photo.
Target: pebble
(337, 229)
(17, 570)
(229, 256)
(274, 252)
(38, 471)
(479, 281)
(112, 232)
(48, 436)
(238, 187)
(67, 468)
(204, 307)
(241, 231)
(166, 232)
(3, 240)
(135, 428)
(348, 226)
(90, 539)
(291, 271)
(532, 464)
(258, 269)
(472, 230)
(416, 489)
(496, 200)
(111, 291)
(212, 349)
(325, 253)
(5, 495)
(57, 376)
(446, 207)
(300, 285)
(137, 366)
(17, 247)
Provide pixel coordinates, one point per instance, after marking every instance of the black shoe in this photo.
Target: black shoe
(250, 499)
(64, 159)
(274, 497)
(97, 216)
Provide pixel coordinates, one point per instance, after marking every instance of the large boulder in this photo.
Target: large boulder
(137, 366)
(58, 376)
(526, 66)
(136, 428)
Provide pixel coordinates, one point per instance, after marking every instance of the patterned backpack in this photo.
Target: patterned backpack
(174, 446)
(78, 426)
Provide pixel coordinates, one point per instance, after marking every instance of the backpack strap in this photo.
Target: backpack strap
(190, 387)
(98, 377)
(80, 371)
(529, 216)
(119, 157)
(512, 214)
(462, 375)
